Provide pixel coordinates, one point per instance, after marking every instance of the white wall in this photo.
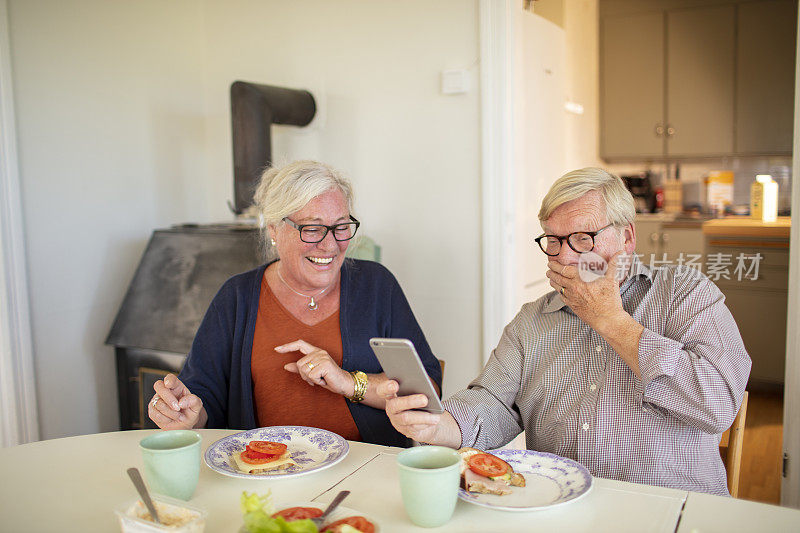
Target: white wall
(123, 126)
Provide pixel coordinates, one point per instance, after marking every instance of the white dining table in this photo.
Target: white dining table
(75, 483)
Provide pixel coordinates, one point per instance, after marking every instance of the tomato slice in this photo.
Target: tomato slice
(254, 454)
(358, 522)
(255, 458)
(267, 447)
(298, 513)
(487, 465)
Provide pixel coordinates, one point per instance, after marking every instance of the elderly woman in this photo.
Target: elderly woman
(287, 343)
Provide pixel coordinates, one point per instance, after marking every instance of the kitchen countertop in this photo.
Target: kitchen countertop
(748, 227)
(674, 220)
(656, 217)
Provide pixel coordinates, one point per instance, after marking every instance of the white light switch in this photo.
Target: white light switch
(455, 81)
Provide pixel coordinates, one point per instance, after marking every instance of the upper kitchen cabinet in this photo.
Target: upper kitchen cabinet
(700, 76)
(632, 105)
(765, 77)
(706, 78)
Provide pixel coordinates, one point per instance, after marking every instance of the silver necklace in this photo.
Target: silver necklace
(312, 304)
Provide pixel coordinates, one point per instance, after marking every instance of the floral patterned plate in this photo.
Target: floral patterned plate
(550, 480)
(312, 449)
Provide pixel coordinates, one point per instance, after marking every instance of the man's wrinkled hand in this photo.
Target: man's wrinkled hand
(595, 302)
(404, 413)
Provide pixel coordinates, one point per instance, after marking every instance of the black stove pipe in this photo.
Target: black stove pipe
(254, 108)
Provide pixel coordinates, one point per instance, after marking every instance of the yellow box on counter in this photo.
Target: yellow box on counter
(719, 185)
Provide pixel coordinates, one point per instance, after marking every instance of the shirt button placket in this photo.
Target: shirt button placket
(587, 432)
(588, 408)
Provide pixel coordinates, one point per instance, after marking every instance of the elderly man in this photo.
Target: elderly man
(634, 373)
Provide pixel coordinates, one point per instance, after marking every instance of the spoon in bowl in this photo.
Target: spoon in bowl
(138, 482)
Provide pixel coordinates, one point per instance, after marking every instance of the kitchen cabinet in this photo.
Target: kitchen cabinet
(765, 77)
(648, 107)
(700, 73)
(632, 85)
(682, 80)
(664, 238)
(758, 305)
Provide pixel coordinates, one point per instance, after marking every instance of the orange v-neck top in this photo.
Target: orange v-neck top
(281, 397)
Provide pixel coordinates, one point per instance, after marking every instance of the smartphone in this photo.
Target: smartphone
(400, 362)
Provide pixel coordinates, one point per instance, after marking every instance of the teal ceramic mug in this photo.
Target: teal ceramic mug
(429, 480)
(172, 462)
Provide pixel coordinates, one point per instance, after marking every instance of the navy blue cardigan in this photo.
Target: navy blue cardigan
(372, 304)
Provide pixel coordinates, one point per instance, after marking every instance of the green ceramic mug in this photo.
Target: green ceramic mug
(429, 480)
(172, 462)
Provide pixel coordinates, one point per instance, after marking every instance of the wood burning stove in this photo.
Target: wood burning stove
(180, 272)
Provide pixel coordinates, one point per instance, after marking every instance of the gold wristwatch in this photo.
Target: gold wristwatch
(360, 381)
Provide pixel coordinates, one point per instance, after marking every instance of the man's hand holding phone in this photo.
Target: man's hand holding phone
(407, 417)
(401, 363)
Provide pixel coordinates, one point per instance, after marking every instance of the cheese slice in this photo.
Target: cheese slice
(281, 464)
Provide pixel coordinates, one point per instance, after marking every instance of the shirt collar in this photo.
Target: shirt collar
(554, 302)
(639, 269)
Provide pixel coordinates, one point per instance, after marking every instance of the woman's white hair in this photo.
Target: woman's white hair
(620, 208)
(286, 190)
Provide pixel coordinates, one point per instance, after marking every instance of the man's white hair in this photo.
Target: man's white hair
(620, 207)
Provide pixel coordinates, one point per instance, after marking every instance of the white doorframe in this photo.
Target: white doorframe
(790, 485)
(18, 413)
(495, 19)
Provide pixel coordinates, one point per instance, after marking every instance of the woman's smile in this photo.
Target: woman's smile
(320, 260)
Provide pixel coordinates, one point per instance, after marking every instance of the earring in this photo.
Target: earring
(272, 242)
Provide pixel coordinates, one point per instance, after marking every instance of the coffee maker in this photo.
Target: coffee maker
(641, 187)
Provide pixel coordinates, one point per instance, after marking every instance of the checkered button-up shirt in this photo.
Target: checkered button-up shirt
(555, 377)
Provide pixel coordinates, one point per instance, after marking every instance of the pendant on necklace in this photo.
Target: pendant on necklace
(313, 305)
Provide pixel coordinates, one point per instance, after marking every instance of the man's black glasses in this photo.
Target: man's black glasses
(580, 241)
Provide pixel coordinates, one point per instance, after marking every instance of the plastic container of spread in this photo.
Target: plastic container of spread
(175, 516)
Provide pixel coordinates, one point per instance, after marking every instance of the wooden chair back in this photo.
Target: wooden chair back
(730, 447)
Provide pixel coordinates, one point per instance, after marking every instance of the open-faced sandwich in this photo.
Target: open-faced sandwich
(485, 473)
(262, 456)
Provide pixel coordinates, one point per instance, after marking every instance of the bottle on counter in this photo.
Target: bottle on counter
(659, 203)
(673, 196)
(673, 193)
(764, 198)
